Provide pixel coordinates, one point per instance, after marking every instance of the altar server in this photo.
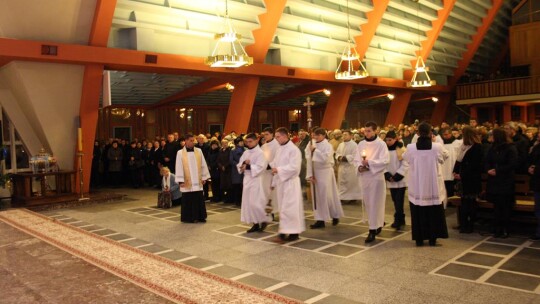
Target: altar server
(426, 187)
(395, 177)
(286, 180)
(191, 174)
(253, 165)
(371, 160)
(269, 149)
(320, 173)
(348, 185)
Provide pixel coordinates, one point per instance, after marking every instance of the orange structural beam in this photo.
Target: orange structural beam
(241, 106)
(441, 107)
(88, 117)
(209, 85)
(365, 95)
(374, 17)
(263, 36)
(101, 26)
(398, 108)
(476, 41)
(149, 62)
(292, 93)
(432, 35)
(336, 107)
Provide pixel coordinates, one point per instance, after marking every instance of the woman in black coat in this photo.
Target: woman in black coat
(213, 167)
(501, 162)
(534, 170)
(468, 170)
(225, 170)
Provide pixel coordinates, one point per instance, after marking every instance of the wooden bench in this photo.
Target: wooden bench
(524, 197)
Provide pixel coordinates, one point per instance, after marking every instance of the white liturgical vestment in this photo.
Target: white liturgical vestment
(326, 205)
(254, 198)
(348, 184)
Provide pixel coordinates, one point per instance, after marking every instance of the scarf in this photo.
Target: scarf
(185, 163)
(166, 183)
(462, 151)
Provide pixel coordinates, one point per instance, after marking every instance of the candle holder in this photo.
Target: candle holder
(81, 182)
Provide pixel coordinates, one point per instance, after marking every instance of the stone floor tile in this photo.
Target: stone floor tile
(297, 292)
(462, 271)
(153, 248)
(332, 299)
(526, 261)
(119, 237)
(233, 229)
(494, 248)
(174, 255)
(479, 259)
(514, 280)
(310, 244)
(135, 242)
(342, 250)
(199, 263)
(227, 271)
(104, 232)
(259, 281)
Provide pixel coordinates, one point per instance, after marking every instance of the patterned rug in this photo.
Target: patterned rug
(172, 280)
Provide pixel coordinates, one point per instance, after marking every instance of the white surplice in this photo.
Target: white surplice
(398, 166)
(372, 181)
(425, 180)
(288, 162)
(448, 165)
(269, 150)
(326, 205)
(348, 184)
(254, 198)
(196, 184)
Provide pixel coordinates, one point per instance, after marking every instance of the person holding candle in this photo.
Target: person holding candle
(370, 161)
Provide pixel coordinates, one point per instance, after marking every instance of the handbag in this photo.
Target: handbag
(164, 200)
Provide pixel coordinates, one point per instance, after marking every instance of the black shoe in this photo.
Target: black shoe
(263, 226)
(335, 222)
(395, 225)
(378, 231)
(282, 236)
(371, 236)
(293, 237)
(433, 242)
(318, 224)
(419, 243)
(254, 228)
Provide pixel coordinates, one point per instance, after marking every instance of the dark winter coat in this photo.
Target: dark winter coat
(470, 170)
(503, 158)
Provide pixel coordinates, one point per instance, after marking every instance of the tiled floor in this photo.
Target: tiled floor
(510, 263)
(344, 240)
(284, 288)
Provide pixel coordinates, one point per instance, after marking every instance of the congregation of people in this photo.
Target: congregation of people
(270, 174)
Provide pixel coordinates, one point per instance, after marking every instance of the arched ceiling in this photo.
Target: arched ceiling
(310, 34)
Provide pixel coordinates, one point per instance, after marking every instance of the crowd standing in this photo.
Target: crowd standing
(266, 173)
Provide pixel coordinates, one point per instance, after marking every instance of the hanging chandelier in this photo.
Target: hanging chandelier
(420, 77)
(228, 52)
(350, 59)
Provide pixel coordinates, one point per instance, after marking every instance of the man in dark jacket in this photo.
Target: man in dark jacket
(169, 152)
(522, 146)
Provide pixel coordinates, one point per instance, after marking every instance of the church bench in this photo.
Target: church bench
(524, 197)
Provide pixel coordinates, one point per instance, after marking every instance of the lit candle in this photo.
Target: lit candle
(364, 154)
(79, 140)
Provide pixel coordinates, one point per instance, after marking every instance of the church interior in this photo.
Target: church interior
(77, 72)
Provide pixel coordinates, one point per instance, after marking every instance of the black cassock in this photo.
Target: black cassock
(193, 208)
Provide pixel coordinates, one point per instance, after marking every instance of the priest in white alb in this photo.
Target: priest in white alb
(253, 164)
(286, 170)
(347, 180)
(320, 173)
(371, 160)
(191, 174)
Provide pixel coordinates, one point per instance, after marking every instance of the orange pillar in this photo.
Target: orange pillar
(241, 106)
(473, 112)
(524, 114)
(439, 112)
(398, 108)
(336, 106)
(507, 113)
(88, 117)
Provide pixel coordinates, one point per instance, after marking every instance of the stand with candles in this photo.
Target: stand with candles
(81, 154)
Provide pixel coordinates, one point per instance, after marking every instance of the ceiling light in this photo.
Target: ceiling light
(434, 99)
(346, 69)
(229, 87)
(228, 52)
(420, 68)
(390, 96)
(327, 92)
